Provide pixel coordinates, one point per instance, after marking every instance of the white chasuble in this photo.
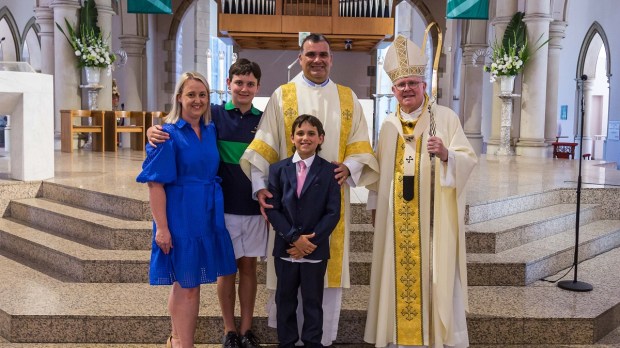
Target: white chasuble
(399, 309)
(346, 138)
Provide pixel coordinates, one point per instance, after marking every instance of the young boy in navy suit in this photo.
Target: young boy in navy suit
(306, 209)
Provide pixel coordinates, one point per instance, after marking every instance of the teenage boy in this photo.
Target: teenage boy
(306, 209)
(236, 123)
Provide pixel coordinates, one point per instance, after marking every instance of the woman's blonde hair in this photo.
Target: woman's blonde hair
(175, 112)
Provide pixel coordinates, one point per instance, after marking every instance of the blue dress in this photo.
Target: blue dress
(187, 166)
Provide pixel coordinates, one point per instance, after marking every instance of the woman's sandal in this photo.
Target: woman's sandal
(169, 341)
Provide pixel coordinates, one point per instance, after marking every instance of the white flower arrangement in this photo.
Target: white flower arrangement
(506, 62)
(508, 57)
(89, 47)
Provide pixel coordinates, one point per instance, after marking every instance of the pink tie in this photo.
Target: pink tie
(301, 177)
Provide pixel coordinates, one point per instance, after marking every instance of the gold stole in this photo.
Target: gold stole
(407, 242)
(289, 106)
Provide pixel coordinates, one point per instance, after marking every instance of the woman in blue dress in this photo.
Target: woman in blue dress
(190, 243)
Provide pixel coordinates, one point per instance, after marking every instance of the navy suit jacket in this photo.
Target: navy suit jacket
(316, 210)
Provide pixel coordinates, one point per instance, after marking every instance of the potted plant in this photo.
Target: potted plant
(89, 46)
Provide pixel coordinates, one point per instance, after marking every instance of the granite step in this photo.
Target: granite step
(77, 262)
(489, 210)
(37, 308)
(128, 208)
(541, 258)
(74, 261)
(361, 239)
(503, 233)
(95, 229)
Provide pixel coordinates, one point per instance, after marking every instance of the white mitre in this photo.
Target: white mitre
(404, 59)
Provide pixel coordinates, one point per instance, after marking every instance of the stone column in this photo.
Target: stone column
(104, 21)
(556, 34)
(533, 100)
(587, 100)
(45, 20)
(475, 38)
(202, 36)
(504, 10)
(132, 76)
(67, 94)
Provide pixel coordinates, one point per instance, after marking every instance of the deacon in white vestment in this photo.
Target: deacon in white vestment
(346, 142)
(404, 310)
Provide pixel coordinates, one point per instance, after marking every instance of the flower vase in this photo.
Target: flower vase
(93, 75)
(507, 84)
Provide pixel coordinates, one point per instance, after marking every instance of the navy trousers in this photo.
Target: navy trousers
(310, 278)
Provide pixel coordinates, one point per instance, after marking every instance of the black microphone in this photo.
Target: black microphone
(584, 77)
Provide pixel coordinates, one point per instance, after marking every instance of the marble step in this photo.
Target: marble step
(539, 259)
(76, 262)
(37, 308)
(86, 226)
(503, 233)
(359, 214)
(489, 210)
(70, 260)
(103, 202)
(361, 238)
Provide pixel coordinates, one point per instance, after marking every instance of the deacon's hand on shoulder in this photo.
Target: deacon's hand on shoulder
(342, 172)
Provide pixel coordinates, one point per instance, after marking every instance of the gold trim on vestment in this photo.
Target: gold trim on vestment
(336, 241)
(407, 253)
(337, 238)
(264, 150)
(357, 148)
(289, 111)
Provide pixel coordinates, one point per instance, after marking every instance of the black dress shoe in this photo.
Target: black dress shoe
(248, 340)
(231, 340)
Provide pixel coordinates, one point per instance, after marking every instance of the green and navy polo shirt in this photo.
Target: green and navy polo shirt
(235, 132)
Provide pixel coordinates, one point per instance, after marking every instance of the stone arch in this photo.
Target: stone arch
(32, 40)
(7, 16)
(586, 53)
(170, 44)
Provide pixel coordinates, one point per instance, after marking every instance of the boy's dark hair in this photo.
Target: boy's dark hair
(313, 121)
(314, 38)
(244, 67)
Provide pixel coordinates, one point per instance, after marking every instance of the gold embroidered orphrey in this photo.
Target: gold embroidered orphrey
(407, 253)
(337, 238)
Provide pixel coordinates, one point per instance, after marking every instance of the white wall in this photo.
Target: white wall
(581, 15)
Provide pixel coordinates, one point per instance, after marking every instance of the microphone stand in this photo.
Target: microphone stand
(575, 285)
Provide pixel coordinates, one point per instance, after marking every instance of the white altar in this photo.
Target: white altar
(28, 98)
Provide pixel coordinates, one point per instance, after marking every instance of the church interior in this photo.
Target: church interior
(75, 233)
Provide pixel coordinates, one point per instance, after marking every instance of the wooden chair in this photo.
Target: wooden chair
(81, 121)
(130, 122)
(153, 118)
